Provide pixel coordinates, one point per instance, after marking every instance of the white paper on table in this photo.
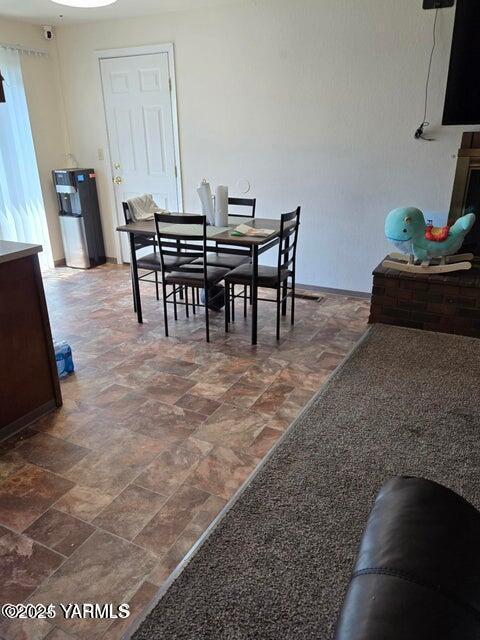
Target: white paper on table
(221, 206)
(246, 230)
(205, 193)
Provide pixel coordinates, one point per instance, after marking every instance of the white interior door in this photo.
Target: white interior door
(139, 116)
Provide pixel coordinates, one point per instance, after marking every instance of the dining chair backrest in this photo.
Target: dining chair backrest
(126, 213)
(184, 245)
(287, 246)
(242, 202)
(141, 242)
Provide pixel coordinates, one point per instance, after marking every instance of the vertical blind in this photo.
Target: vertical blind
(22, 212)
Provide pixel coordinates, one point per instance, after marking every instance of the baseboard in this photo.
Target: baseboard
(340, 292)
(61, 262)
(23, 422)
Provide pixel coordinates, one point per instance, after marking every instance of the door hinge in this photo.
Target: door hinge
(176, 172)
(170, 84)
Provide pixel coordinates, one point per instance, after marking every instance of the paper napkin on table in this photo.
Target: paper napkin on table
(246, 230)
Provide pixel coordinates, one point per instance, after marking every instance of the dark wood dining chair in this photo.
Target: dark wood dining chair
(190, 247)
(151, 262)
(250, 203)
(271, 277)
(228, 260)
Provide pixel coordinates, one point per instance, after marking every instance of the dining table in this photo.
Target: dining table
(219, 239)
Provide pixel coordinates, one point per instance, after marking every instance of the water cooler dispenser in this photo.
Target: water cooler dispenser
(79, 217)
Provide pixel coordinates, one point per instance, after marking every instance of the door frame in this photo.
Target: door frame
(123, 52)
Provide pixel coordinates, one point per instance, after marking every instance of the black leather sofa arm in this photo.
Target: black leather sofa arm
(417, 574)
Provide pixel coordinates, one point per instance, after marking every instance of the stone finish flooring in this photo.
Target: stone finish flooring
(100, 501)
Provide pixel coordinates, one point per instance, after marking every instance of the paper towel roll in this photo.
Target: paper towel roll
(221, 206)
(205, 194)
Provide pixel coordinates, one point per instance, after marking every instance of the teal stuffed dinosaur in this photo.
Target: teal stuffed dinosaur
(406, 229)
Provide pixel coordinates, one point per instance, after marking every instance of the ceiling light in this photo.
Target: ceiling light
(84, 4)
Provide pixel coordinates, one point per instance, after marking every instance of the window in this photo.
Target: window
(22, 212)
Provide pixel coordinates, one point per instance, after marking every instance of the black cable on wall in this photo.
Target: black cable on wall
(420, 132)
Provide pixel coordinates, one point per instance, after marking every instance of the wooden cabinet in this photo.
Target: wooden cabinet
(29, 386)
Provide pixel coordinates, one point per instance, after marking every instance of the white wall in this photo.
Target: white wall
(40, 77)
(313, 101)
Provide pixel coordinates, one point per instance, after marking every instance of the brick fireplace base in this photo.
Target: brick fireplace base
(448, 303)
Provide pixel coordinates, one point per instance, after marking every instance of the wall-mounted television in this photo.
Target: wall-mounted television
(462, 98)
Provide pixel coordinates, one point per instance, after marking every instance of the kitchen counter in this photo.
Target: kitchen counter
(29, 386)
(13, 250)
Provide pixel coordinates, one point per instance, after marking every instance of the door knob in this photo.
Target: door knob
(117, 180)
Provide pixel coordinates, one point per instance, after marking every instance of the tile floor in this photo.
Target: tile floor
(101, 500)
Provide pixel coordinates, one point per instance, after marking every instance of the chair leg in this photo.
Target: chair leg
(193, 301)
(227, 306)
(279, 288)
(245, 301)
(233, 303)
(181, 293)
(186, 302)
(198, 297)
(175, 315)
(292, 293)
(133, 290)
(207, 318)
(165, 316)
(284, 296)
(156, 285)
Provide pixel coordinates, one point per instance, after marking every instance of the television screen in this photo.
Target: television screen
(462, 98)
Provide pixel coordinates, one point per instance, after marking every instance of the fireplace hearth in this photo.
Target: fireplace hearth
(449, 303)
(466, 189)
